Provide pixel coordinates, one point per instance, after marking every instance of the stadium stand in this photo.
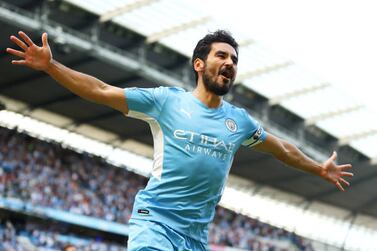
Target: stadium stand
(37, 236)
(47, 175)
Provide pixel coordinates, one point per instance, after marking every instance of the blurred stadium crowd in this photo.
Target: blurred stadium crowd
(49, 175)
(35, 236)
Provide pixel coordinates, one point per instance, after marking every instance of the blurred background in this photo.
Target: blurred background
(69, 169)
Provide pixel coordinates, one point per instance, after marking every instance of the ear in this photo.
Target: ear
(199, 65)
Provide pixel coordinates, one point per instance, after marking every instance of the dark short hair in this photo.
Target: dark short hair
(204, 46)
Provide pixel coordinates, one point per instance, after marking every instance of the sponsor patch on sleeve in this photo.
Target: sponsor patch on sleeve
(254, 139)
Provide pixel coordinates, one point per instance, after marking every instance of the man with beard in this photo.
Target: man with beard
(196, 135)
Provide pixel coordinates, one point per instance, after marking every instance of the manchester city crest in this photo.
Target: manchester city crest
(231, 125)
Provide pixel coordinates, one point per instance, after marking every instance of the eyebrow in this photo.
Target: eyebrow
(233, 56)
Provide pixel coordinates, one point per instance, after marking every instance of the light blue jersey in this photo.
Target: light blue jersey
(194, 148)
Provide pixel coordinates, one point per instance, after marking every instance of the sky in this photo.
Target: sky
(337, 40)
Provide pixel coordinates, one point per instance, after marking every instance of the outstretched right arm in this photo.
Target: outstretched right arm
(83, 85)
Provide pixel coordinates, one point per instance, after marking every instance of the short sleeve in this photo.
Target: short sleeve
(148, 101)
(257, 135)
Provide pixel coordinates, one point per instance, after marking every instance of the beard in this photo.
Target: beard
(216, 88)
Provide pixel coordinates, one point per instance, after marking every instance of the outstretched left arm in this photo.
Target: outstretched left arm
(292, 156)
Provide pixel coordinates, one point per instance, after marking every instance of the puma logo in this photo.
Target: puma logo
(186, 112)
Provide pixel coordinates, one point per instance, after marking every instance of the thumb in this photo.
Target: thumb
(333, 156)
(44, 40)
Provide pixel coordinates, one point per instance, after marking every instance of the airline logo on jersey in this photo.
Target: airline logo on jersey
(231, 125)
(204, 144)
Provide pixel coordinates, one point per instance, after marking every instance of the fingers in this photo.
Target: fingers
(44, 40)
(19, 62)
(16, 52)
(344, 182)
(348, 174)
(26, 38)
(17, 41)
(339, 186)
(340, 182)
(345, 167)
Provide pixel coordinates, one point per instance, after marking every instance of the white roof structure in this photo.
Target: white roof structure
(180, 24)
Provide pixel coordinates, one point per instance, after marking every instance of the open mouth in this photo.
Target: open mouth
(227, 73)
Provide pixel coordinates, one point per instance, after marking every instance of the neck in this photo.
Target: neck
(208, 98)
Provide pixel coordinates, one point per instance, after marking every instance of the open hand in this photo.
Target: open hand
(33, 56)
(335, 173)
